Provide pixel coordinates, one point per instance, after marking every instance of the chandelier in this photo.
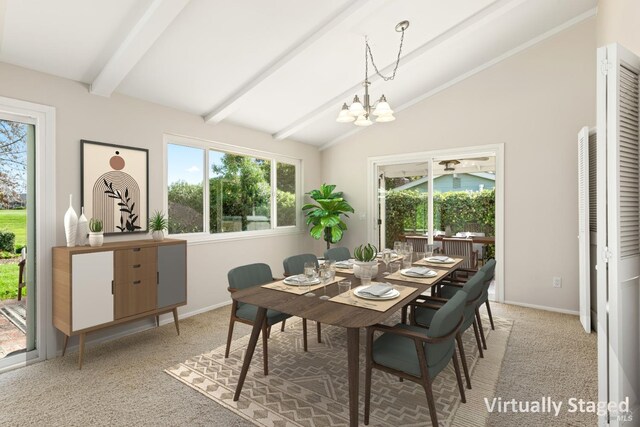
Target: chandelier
(360, 112)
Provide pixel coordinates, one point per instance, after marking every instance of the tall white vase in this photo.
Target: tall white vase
(83, 230)
(71, 224)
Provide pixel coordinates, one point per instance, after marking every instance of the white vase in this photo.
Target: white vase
(70, 224)
(359, 265)
(83, 230)
(157, 235)
(96, 238)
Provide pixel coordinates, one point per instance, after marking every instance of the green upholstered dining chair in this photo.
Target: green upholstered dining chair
(244, 277)
(415, 353)
(338, 254)
(295, 265)
(424, 309)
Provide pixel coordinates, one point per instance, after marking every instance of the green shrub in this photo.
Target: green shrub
(7, 241)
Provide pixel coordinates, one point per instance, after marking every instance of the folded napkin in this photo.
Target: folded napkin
(299, 278)
(376, 290)
(344, 264)
(419, 271)
(440, 258)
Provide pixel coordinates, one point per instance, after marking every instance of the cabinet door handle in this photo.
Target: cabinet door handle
(136, 266)
(137, 282)
(136, 249)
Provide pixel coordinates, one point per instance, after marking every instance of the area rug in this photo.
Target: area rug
(311, 389)
(16, 313)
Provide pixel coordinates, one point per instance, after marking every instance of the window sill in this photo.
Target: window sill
(207, 238)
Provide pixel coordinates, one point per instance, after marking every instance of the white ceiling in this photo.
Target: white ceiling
(280, 66)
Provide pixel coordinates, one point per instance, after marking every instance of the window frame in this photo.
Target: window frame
(207, 145)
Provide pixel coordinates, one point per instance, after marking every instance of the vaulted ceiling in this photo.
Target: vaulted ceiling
(279, 66)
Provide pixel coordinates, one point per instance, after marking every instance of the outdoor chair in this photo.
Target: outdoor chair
(22, 282)
(462, 248)
(337, 254)
(416, 354)
(247, 276)
(417, 243)
(295, 265)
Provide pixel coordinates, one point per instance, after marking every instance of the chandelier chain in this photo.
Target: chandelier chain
(368, 54)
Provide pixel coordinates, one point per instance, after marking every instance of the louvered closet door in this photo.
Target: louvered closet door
(623, 229)
(583, 228)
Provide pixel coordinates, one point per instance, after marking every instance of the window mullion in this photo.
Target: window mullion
(274, 186)
(206, 193)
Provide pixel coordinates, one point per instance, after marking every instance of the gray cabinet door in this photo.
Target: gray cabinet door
(172, 275)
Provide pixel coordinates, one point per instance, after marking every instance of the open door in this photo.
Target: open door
(618, 234)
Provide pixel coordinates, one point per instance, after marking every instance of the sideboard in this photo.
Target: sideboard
(98, 287)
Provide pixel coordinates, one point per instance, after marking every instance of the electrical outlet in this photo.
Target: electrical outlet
(557, 282)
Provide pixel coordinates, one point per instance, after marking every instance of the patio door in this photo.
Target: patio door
(618, 233)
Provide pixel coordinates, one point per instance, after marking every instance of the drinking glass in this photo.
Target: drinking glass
(326, 276)
(386, 258)
(365, 274)
(394, 266)
(311, 274)
(398, 247)
(344, 286)
(407, 260)
(428, 251)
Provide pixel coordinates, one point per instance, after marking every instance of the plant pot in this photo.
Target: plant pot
(157, 235)
(96, 238)
(358, 266)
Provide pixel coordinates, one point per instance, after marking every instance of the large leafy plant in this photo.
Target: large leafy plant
(325, 215)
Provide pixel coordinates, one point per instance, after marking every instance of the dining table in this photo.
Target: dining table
(482, 240)
(352, 317)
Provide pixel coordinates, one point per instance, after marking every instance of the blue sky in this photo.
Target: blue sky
(186, 163)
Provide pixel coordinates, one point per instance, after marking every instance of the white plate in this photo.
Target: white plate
(406, 272)
(393, 293)
(439, 261)
(294, 282)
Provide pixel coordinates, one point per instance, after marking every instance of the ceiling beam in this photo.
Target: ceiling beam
(491, 11)
(568, 24)
(229, 105)
(142, 36)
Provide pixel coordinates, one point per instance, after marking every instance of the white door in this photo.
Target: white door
(619, 232)
(92, 292)
(583, 229)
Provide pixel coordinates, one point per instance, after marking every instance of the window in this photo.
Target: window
(225, 190)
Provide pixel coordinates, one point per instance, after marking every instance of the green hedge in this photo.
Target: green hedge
(407, 211)
(7, 241)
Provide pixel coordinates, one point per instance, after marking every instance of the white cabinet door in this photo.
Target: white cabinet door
(91, 296)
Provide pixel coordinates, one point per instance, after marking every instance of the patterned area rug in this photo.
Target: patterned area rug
(311, 389)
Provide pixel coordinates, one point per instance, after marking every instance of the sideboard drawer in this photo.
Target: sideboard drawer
(134, 256)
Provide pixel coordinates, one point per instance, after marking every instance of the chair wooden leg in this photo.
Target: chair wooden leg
(19, 292)
(367, 385)
(319, 331)
(282, 326)
(426, 382)
(403, 317)
(464, 360)
(456, 367)
(268, 332)
(484, 341)
(229, 336)
(475, 331)
(486, 303)
(265, 351)
(304, 334)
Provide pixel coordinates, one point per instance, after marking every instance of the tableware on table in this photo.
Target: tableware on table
(345, 264)
(398, 247)
(344, 286)
(363, 292)
(386, 258)
(394, 266)
(366, 272)
(311, 273)
(407, 260)
(428, 250)
(419, 255)
(418, 272)
(327, 274)
(300, 280)
(441, 259)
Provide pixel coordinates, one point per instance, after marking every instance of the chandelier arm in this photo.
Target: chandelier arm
(395, 69)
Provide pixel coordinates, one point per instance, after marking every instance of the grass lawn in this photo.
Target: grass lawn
(9, 281)
(15, 220)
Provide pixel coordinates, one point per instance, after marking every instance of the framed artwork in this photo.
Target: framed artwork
(115, 186)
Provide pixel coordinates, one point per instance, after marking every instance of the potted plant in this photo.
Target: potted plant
(365, 258)
(325, 215)
(157, 224)
(96, 236)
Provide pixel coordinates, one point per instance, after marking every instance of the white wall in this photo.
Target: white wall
(127, 121)
(535, 103)
(618, 23)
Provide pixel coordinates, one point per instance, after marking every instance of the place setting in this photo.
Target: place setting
(377, 296)
(418, 274)
(439, 261)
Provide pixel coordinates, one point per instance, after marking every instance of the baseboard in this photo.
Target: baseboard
(544, 307)
(152, 324)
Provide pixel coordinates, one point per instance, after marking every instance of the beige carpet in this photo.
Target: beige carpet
(310, 389)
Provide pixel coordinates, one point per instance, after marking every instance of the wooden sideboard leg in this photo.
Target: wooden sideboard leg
(157, 320)
(175, 319)
(81, 353)
(66, 341)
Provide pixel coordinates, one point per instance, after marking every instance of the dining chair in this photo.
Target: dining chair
(22, 282)
(449, 288)
(338, 254)
(244, 277)
(418, 243)
(416, 354)
(295, 265)
(461, 248)
(424, 309)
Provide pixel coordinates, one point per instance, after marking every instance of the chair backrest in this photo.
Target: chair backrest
(295, 263)
(488, 269)
(462, 248)
(473, 289)
(418, 243)
(443, 323)
(249, 275)
(337, 254)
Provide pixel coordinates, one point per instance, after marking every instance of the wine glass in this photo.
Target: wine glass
(386, 258)
(311, 273)
(327, 273)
